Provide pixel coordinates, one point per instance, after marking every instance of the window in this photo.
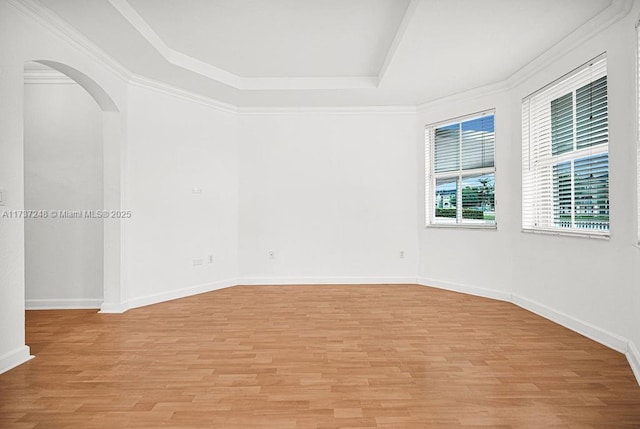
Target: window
(461, 171)
(565, 154)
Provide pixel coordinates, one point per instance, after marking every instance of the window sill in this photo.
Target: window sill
(576, 234)
(461, 226)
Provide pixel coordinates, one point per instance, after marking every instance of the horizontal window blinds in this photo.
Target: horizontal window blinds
(428, 167)
(592, 114)
(478, 143)
(460, 167)
(565, 168)
(447, 148)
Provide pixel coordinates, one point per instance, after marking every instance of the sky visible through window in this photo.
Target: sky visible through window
(464, 188)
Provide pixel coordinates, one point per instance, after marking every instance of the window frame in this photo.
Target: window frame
(459, 175)
(571, 156)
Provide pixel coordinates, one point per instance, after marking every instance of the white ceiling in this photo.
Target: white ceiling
(326, 52)
(304, 38)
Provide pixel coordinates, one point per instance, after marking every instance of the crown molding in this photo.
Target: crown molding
(170, 55)
(471, 94)
(397, 40)
(342, 110)
(307, 83)
(68, 34)
(256, 83)
(155, 85)
(50, 77)
(151, 84)
(612, 14)
(616, 11)
(52, 22)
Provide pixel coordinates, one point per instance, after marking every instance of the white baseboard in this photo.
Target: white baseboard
(470, 290)
(62, 304)
(599, 335)
(14, 358)
(593, 332)
(633, 356)
(347, 280)
(180, 293)
(113, 307)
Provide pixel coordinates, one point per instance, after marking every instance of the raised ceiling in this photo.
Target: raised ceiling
(327, 52)
(276, 38)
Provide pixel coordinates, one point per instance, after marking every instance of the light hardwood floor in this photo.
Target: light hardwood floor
(387, 356)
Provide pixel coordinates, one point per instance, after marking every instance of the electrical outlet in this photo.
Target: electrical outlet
(401, 254)
(210, 259)
(272, 254)
(197, 261)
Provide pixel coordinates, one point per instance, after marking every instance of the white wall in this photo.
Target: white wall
(472, 258)
(63, 171)
(336, 195)
(593, 280)
(591, 285)
(177, 145)
(24, 39)
(332, 194)
(12, 345)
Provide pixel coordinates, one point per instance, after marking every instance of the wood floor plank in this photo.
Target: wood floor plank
(311, 357)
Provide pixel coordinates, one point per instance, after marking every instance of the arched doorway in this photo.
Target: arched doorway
(112, 155)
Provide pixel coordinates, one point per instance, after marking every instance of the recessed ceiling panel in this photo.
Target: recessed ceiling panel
(279, 38)
(443, 47)
(463, 44)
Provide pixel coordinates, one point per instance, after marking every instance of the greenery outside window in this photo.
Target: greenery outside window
(460, 166)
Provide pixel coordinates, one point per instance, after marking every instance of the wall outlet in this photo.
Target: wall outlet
(197, 261)
(272, 254)
(210, 259)
(401, 254)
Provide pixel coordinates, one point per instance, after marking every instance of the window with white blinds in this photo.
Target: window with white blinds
(565, 154)
(460, 167)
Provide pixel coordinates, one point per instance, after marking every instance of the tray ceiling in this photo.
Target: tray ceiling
(327, 52)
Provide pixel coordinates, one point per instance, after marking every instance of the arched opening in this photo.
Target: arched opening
(73, 157)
